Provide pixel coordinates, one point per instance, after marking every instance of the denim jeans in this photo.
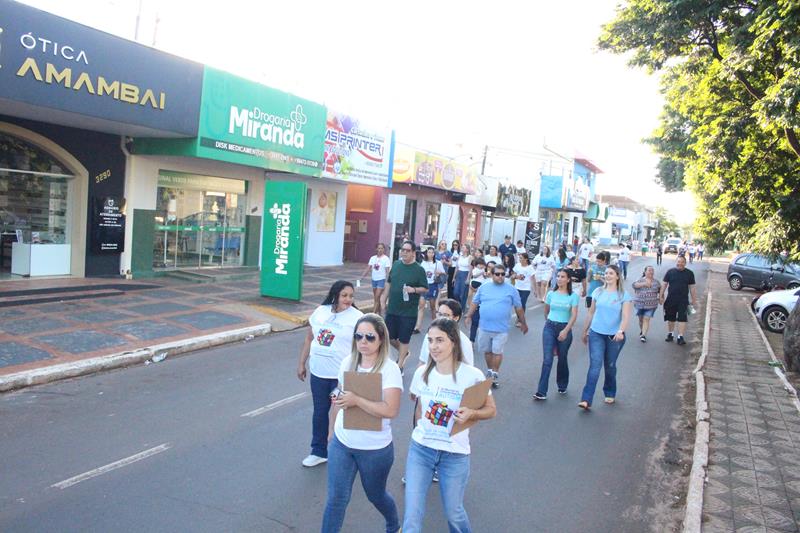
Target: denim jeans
(549, 342)
(523, 296)
(460, 288)
(603, 352)
(585, 263)
(623, 265)
(453, 471)
(373, 466)
(321, 389)
(473, 326)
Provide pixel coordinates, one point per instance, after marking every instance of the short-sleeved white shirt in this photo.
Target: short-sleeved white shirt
(466, 349)
(527, 271)
(463, 263)
(333, 339)
(586, 250)
(378, 266)
(432, 269)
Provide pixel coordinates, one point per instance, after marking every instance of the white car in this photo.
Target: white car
(773, 308)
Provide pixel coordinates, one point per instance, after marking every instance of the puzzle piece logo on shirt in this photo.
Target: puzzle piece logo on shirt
(438, 413)
(325, 337)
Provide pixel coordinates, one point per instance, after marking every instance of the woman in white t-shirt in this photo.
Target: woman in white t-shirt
(379, 264)
(370, 453)
(329, 341)
(460, 289)
(432, 268)
(439, 387)
(524, 273)
(545, 266)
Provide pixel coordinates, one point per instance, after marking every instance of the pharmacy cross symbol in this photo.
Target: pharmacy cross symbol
(275, 211)
(298, 117)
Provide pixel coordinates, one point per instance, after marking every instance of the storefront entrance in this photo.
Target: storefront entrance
(200, 221)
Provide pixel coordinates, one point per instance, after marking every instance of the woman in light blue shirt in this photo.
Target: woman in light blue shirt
(561, 311)
(604, 332)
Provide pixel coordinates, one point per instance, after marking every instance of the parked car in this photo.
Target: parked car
(672, 245)
(752, 270)
(773, 308)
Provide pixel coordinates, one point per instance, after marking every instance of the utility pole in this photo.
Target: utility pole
(483, 164)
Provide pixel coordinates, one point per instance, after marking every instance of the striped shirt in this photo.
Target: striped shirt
(646, 297)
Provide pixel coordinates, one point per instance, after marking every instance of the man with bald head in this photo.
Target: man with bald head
(678, 284)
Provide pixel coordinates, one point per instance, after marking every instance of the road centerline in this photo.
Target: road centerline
(111, 466)
(275, 405)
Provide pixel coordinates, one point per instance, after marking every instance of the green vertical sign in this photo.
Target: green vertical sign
(282, 245)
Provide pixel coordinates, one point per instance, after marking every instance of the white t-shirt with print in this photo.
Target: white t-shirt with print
(333, 339)
(432, 268)
(586, 250)
(378, 266)
(527, 271)
(544, 266)
(624, 254)
(466, 349)
(360, 439)
(496, 259)
(478, 274)
(439, 399)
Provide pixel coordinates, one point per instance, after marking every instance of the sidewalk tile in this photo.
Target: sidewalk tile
(15, 353)
(84, 341)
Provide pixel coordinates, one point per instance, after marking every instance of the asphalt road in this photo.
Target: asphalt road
(166, 447)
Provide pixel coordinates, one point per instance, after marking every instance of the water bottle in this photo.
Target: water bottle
(690, 310)
(405, 294)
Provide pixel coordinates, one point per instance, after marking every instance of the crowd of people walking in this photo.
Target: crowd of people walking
(491, 291)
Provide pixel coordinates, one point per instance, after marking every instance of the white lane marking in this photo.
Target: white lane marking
(279, 403)
(112, 466)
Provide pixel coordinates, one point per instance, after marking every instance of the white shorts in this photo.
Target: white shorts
(541, 277)
(489, 342)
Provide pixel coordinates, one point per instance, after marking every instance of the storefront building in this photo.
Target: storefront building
(563, 201)
(69, 98)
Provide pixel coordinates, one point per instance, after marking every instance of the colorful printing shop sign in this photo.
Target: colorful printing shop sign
(282, 244)
(354, 153)
(423, 168)
(251, 124)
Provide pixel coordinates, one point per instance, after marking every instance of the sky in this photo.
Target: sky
(448, 76)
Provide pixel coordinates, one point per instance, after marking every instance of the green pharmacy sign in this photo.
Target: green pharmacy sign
(282, 245)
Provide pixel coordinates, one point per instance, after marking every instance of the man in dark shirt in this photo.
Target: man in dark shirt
(507, 248)
(678, 283)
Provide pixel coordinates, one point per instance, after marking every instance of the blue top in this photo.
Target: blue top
(560, 306)
(608, 310)
(594, 283)
(440, 255)
(496, 301)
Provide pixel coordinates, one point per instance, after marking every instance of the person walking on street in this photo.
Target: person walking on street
(586, 252)
(596, 275)
(379, 265)
(451, 270)
(497, 299)
(561, 312)
(463, 265)
(577, 274)
(624, 258)
(433, 268)
(678, 283)
(561, 261)
(645, 247)
(545, 265)
(701, 248)
(406, 282)
(507, 247)
(439, 388)
(575, 244)
(659, 253)
(444, 256)
(451, 309)
(521, 247)
(692, 251)
(645, 299)
(368, 453)
(328, 342)
(493, 255)
(523, 274)
(604, 332)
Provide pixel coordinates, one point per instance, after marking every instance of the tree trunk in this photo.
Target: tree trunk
(791, 340)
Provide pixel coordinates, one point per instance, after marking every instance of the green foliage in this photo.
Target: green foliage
(728, 132)
(666, 225)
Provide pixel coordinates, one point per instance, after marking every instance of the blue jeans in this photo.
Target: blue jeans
(623, 265)
(603, 352)
(523, 296)
(460, 289)
(549, 342)
(473, 327)
(585, 263)
(373, 466)
(321, 389)
(453, 471)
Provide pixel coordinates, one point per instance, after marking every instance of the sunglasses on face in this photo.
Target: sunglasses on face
(370, 337)
(501, 274)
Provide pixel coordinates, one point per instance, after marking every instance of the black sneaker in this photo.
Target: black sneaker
(539, 396)
(669, 337)
(681, 340)
(562, 391)
(642, 338)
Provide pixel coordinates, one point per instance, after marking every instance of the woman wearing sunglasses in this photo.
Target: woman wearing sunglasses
(439, 386)
(328, 342)
(604, 332)
(368, 453)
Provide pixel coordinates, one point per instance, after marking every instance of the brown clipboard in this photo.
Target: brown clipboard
(474, 397)
(368, 385)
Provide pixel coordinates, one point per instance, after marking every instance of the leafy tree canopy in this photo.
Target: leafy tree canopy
(729, 128)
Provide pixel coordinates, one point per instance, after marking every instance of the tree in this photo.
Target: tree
(665, 225)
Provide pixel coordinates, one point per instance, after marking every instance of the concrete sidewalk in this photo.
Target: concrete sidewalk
(56, 328)
(753, 477)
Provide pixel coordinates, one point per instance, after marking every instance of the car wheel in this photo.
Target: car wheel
(793, 285)
(735, 282)
(774, 318)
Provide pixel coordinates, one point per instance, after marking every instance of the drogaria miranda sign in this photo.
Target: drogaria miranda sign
(282, 245)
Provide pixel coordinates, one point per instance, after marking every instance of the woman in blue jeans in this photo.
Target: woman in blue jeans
(439, 387)
(463, 264)
(604, 332)
(560, 311)
(368, 453)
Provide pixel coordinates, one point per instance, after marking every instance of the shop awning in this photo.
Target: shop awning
(596, 212)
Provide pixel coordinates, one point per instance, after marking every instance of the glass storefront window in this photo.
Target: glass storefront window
(471, 227)
(431, 224)
(197, 226)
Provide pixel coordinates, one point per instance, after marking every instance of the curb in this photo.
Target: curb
(692, 520)
(119, 360)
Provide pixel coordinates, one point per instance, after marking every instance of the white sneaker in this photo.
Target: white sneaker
(313, 460)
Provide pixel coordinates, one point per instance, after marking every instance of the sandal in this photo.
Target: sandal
(610, 400)
(584, 405)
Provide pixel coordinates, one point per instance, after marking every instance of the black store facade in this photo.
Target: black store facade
(70, 99)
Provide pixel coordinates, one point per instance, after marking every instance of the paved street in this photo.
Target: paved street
(543, 466)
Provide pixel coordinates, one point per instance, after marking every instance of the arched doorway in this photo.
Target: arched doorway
(43, 191)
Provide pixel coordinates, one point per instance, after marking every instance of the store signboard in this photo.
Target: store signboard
(429, 170)
(355, 153)
(533, 238)
(282, 243)
(65, 69)
(513, 201)
(449, 220)
(486, 194)
(552, 192)
(108, 225)
(577, 198)
(182, 180)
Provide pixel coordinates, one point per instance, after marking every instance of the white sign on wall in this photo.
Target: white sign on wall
(396, 210)
(449, 218)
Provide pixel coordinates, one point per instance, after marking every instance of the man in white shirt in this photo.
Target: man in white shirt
(449, 308)
(586, 252)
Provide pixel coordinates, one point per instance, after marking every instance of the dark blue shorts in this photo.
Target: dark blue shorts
(400, 327)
